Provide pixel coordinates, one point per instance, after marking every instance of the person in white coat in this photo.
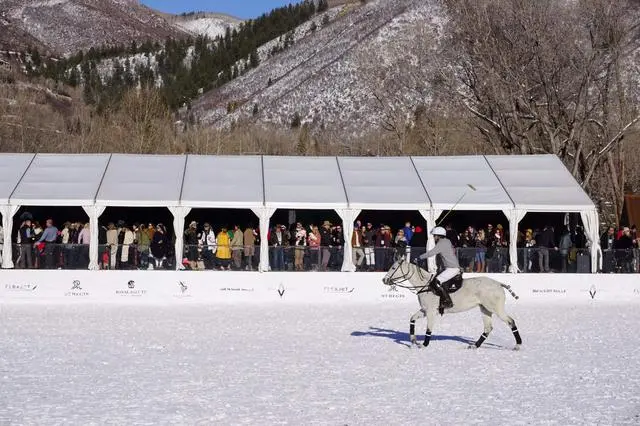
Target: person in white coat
(129, 238)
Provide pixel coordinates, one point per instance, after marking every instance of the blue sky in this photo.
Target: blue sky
(244, 9)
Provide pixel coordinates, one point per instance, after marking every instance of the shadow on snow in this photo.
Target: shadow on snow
(403, 338)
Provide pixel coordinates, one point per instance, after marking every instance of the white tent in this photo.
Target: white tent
(61, 180)
(145, 181)
(381, 183)
(12, 168)
(541, 183)
(513, 184)
(461, 183)
(300, 183)
(222, 182)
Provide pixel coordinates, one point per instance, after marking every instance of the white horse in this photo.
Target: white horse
(484, 292)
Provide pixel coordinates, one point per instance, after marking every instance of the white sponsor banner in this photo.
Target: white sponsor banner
(210, 287)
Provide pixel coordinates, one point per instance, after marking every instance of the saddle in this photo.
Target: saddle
(454, 284)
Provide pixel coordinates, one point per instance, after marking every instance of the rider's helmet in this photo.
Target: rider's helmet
(439, 230)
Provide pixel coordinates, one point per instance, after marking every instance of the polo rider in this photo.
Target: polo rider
(445, 249)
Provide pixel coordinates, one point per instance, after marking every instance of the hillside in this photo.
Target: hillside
(64, 27)
(324, 76)
(203, 23)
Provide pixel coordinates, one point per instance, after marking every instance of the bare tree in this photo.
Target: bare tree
(549, 76)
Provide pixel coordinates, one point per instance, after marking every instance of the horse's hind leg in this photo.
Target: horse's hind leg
(512, 324)
(412, 325)
(488, 326)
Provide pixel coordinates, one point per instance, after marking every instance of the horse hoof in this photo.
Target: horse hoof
(472, 347)
(516, 348)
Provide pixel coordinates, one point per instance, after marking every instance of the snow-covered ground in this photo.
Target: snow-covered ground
(210, 26)
(286, 364)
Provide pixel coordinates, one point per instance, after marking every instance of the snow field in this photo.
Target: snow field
(302, 365)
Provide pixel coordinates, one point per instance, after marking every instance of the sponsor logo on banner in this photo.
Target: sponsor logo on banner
(21, 287)
(592, 291)
(76, 290)
(131, 290)
(393, 293)
(281, 290)
(236, 289)
(184, 290)
(339, 290)
(549, 291)
(636, 291)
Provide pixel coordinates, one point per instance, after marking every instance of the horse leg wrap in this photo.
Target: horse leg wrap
(516, 334)
(412, 329)
(427, 338)
(481, 340)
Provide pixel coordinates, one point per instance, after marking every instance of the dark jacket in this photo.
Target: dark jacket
(624, 243)
(419, 240)
(546, 239)
(604, 241)
(23, 235)
(326, 239)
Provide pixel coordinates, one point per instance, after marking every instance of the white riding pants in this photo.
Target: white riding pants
(447, 274)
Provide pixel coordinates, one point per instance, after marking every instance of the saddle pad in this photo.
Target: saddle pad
(454, 284)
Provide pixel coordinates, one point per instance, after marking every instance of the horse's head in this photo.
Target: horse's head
(394, 272)
(402, 271)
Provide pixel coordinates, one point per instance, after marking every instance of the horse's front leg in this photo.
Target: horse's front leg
(412, 325)
(430, 323)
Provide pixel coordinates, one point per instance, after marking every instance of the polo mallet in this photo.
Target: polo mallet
(469, 187)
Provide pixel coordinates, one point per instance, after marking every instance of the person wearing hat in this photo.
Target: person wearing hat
(326, 242)
(445, 250)
(191, 244)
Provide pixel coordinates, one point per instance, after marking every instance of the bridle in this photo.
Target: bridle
(397, 281)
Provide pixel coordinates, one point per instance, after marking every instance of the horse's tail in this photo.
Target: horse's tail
(508, 288)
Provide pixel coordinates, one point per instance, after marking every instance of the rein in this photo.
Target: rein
(406, 276)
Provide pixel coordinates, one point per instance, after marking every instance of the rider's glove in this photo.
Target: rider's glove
(416, 261)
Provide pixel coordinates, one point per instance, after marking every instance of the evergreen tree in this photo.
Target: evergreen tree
(296, 121)
(254, 59)
(74, 77)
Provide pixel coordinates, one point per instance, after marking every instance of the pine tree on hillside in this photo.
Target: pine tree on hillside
(254, 59)
(296, 121)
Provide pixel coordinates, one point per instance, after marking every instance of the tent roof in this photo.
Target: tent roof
(61, 180)
(447, 180)
(389, 183)
(12, 167)
(303, 182)
(142, 181)
(540, 183)
(223, 182)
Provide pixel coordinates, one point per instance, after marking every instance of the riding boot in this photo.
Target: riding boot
(445, 299)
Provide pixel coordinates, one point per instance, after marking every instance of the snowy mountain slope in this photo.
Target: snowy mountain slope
(321, 76)
(208, 24)
(66, 26)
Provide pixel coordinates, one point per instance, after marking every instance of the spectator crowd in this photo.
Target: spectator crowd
(299, 247)
(620, 250)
